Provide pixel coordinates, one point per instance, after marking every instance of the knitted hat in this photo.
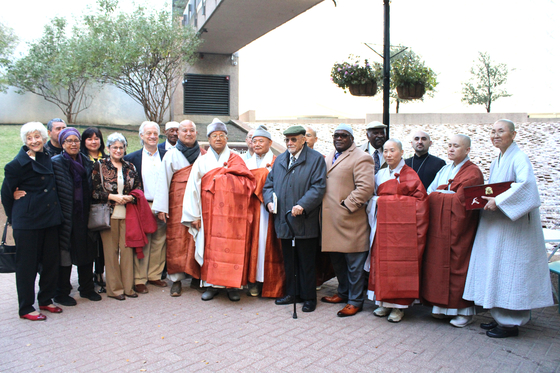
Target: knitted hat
(169, 125)
(262, 132)
(216, 125)
(345, 127)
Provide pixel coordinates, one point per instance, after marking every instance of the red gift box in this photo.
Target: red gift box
(473, 194)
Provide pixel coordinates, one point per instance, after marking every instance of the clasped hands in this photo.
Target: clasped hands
(120, 199)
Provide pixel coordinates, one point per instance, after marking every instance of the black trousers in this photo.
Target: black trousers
(305, 262)
(85, 280)
(37, 251)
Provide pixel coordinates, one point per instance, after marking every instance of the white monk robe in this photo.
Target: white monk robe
(253, 163)
(383, 175)
(192, 205)
(172, 162)
(508, 268)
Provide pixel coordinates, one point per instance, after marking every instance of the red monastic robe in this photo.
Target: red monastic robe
(450, 239)
(274, 275)
(180, 243)
(400, 239)
(225, 196)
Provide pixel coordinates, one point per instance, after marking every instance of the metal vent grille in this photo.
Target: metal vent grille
(206, 94)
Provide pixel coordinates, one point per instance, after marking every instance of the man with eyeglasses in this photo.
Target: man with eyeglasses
(216, 211)
(266, 268)
(173, 176)
(149, 267)
(296, 184)
(54, 127)
(345, 229)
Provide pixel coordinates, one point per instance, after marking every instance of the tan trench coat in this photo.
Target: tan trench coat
(350, 180)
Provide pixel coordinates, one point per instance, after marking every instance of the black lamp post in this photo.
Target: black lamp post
(386, 66)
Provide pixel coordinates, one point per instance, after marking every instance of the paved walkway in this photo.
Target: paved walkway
(157, 333)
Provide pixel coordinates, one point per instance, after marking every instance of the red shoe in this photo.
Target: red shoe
(51, 308)
(39, 317)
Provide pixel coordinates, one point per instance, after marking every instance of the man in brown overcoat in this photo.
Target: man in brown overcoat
(345, 229)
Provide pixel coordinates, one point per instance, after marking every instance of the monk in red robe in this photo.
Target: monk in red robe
(266, 263)
(451, 236)
(401, 226)
(216, 210)
(168, 204)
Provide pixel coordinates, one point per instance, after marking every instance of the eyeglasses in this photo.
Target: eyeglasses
(216, 136)
(340, 136)
(72, 142)
(290, 139)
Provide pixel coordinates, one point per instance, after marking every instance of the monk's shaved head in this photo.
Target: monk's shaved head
(463, 139)
(510, 125)
(394, 141)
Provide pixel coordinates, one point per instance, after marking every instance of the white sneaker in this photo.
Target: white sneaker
(396, 315)
(462, 321)
(382, 311)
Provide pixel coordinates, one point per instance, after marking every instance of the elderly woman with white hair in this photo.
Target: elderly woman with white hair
(35, 217)
(113, 180)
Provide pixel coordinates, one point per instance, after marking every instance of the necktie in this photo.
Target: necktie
(376, 160)
(336, 155)
(292, 161)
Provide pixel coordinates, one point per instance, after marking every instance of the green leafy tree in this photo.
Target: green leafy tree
(486, 83)
(8, 43)
(143, 53)
(56, 68)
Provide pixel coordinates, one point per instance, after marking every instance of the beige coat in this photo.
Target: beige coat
(350, 180)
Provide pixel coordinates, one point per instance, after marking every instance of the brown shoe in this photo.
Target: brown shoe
(141, 288)
(159, 283)
(334, 299)
(349, 310)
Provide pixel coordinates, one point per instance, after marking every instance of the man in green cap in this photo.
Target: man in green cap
(297, 183)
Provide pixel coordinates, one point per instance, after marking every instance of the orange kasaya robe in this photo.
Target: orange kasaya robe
(180, 243)
(225, 197)
(274, 275)
(450, 240)
(400, 239)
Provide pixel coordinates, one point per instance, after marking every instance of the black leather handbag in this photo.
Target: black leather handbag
(7, 255)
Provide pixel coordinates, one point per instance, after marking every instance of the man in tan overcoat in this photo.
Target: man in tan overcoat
(345, 229)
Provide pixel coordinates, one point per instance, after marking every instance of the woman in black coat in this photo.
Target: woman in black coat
(35, 217)
(73, 180)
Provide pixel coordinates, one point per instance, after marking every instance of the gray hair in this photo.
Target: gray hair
(396, 141)
(509, 123)
(31, 127)
(141, 129)
(54, 120)
(116, 137)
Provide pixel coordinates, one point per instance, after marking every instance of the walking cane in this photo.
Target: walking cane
(295, 262)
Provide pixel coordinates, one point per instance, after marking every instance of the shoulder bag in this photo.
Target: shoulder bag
(7, 255)
(99, 213)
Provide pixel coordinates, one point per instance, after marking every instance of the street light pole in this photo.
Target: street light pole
(386, 66)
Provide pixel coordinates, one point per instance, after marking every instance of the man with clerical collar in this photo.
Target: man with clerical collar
(171, 134)
(54, 127)
(376, 136)
(168, 204)
(425, 164)
(450, 236)
(345, 229)
(266, 267)
(148, 162)
(216, 210)
(296, 184)
(508, 271)
(399, 218)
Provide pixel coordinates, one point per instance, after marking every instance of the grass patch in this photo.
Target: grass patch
(10, 142)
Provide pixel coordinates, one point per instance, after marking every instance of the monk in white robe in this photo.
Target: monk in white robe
(508, 271)
(173, 176)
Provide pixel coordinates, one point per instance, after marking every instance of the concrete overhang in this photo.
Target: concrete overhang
(235, 23)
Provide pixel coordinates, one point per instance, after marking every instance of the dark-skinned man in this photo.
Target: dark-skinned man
(376, 136)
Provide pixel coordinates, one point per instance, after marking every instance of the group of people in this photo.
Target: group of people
(393, 230)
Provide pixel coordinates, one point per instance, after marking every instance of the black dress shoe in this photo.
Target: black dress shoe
(489, 325)
(65, 300)
(309, 306)
(92, 295)
(501, 332)
(288, 299)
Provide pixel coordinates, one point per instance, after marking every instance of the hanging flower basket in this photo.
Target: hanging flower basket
(411, 92)
(367, 89)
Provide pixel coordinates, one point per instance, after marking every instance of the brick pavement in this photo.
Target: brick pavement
(157, 333)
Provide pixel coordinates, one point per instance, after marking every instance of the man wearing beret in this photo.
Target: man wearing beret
(216, 211)
(345, 228)
(297, 184)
